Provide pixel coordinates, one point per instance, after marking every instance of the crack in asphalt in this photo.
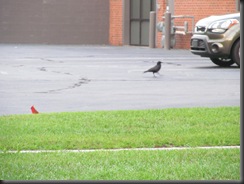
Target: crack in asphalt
(168, 63)
(44, 69)
(50, 60)
(75, 85)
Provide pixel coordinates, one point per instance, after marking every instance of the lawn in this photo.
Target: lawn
(122, 129)
(194, 164)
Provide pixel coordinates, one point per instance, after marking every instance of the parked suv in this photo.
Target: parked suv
(218, 37)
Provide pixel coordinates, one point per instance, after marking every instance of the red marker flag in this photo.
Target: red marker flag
(33, 110)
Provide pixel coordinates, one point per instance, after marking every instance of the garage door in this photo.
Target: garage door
(54, 21)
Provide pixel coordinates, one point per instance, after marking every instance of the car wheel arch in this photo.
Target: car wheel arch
(233, 53)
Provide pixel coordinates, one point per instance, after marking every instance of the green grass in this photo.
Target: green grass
(121, 129)
(194, 164)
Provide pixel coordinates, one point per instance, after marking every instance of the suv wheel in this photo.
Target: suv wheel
(236, 53)
(223, 62)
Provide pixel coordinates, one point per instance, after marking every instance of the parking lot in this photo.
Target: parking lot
(87, 78)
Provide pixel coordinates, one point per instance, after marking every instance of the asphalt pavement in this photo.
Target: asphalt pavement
(60, 78)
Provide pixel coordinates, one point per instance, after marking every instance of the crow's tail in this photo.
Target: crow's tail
(145, 71)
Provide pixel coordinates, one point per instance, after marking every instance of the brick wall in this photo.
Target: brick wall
(160, 12)
(116, 22)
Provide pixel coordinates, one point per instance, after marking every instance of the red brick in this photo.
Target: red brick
(116, 22)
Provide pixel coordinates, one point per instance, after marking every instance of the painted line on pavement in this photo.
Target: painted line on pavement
(121, 149)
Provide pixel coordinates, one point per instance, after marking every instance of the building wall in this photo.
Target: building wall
(198, 9)
(91, 22)
(116, 22)
(160, 10)
(54, 21)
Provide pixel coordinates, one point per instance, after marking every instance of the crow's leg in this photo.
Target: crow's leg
(154, 74)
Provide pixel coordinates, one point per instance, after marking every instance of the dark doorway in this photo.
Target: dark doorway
(139, 21)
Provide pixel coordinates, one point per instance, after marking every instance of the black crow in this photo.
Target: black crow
(155, 69)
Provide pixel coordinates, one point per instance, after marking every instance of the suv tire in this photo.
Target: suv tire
(223, 62)
(236, 53)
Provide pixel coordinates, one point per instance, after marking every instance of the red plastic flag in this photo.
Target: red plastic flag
(33, 110)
